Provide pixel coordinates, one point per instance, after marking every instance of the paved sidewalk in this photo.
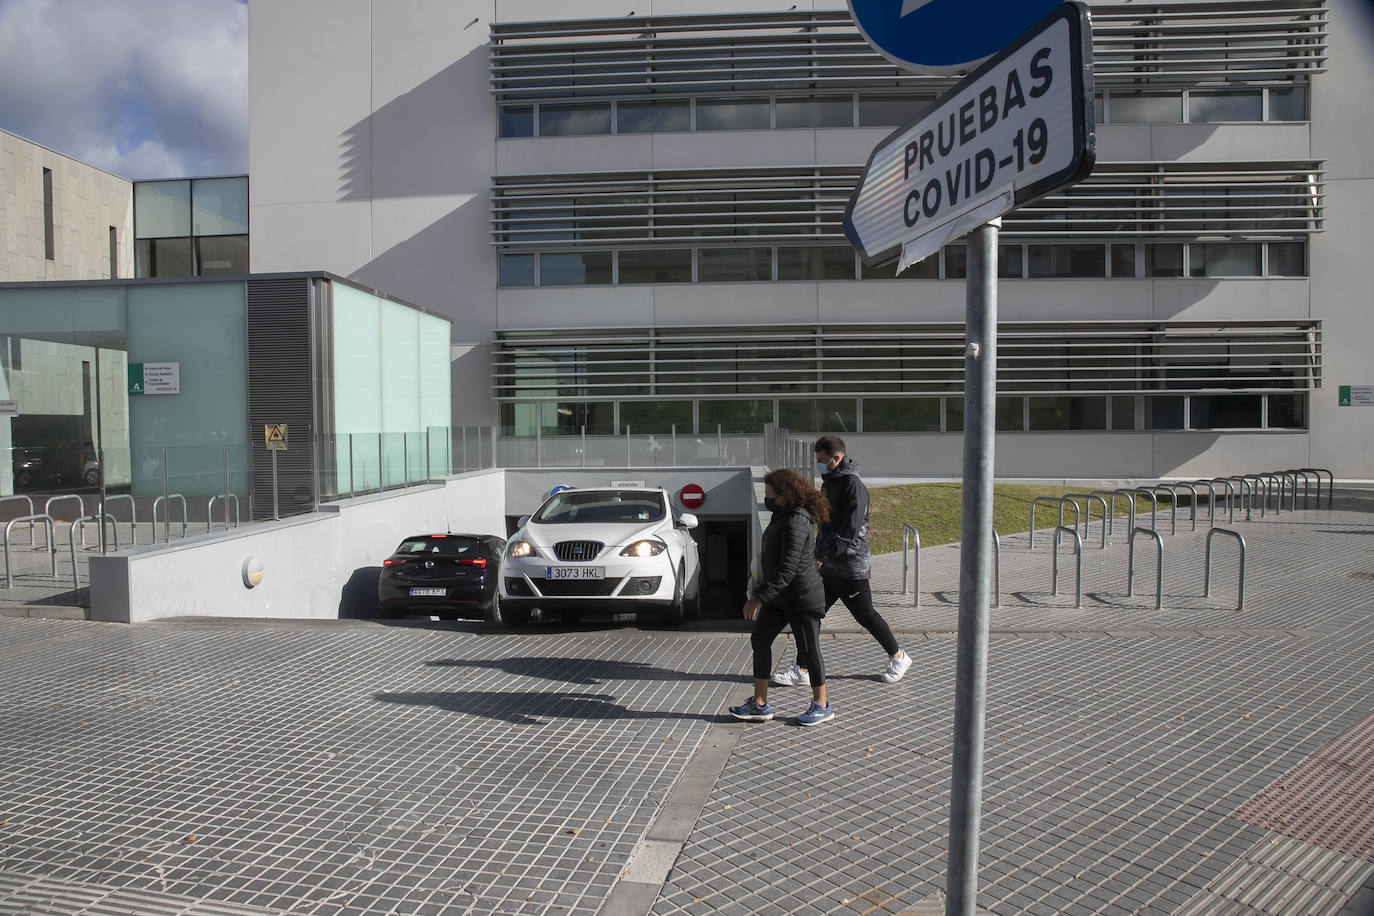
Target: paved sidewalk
(1195, 759)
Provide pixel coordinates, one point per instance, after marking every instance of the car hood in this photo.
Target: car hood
(606, 532)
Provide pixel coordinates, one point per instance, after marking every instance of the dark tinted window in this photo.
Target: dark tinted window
(441, 546)
(600, 506)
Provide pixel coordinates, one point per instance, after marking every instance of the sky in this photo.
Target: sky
(140, 88)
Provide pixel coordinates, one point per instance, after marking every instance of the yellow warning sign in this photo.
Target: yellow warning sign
(274, 434)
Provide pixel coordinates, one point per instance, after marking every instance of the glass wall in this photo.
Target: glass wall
(191, 227)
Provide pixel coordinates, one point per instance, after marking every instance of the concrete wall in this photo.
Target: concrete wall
(86, 203)
(322, 565)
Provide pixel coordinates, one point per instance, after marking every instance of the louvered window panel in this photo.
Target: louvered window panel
(1237, 200)
(1033, 358)
(1174, 43)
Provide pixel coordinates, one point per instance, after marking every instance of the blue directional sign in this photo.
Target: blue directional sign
(945, 35)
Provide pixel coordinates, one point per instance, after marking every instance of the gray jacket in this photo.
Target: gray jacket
(842, 542)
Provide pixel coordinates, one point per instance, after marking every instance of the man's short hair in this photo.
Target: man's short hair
(832, 445)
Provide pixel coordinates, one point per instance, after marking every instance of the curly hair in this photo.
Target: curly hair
(795, 490)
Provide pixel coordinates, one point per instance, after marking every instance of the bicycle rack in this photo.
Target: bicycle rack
(1108, 495)
(1159, 565)
(1306, 486)
(1173, 506)
(1078, 565)
(1088, 514)
(3, 499)
(1211, 486)
(50, 533)
(1154, 504)
(47, 506)
(1050, 499)
(996, 570)
(1284, 477)
(1193, 490)
(1330, 484)
(1232, 494)
(133, 517)
(71, 542)
(168, 515)
(210, 510)
(1246, 494)
(909, 536)
(1273, 485)
(1129, 496)
(80, 524)
(1207, 566)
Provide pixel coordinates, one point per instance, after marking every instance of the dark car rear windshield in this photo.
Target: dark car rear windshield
(601, 506)
(444, 546)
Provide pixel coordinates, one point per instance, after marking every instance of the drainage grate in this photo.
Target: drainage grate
(1324, 799)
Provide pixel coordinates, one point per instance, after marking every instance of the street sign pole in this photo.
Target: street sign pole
(971, 664)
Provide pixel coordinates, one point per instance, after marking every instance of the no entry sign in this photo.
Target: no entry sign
(692, 496)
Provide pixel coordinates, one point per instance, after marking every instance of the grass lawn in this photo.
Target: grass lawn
(933, 509)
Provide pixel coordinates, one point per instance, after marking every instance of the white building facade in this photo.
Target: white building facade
(633, 219)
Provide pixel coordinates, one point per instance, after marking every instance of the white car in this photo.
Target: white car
(613, 550)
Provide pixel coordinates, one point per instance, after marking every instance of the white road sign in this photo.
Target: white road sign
(1016, 129)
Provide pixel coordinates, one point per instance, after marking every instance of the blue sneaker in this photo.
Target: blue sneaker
(816, 714)
(752, 712)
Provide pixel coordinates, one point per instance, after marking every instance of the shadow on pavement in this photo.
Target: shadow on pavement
(588, 671)
(520, 708)
(358, 598)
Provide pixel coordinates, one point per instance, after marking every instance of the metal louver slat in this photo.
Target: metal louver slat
(280, 391)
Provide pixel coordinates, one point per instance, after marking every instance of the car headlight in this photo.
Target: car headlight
(519, 549)
(646, 548)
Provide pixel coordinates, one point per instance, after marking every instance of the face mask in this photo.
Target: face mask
(770, 504)
(821, 470)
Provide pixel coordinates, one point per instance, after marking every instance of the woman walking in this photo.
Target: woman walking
(790, 593)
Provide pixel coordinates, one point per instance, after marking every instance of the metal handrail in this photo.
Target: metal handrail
(1207, 566)
(1088, 514)
(996, 570)
(1154, 504)
(1173, 505)
(1193, 490)
(1078, 565)
(50, 536)
(29, 500)
(1111, 514)
(1330, 484)
(101, 508)
(210, 510)
(1047, 499)
(1159, 565)
(911, 535)
(168, 519)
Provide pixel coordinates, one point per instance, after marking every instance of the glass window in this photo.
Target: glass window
(221, 254)
(954, 414)
(1212, 107)
(1287, 259)
(1224, 259)
(574, 268)
(734, 264)
(569, 417)
(1287, 411)
(1010, 414)
(1288, 104)
(891, 110)
(736, 417)
(162, 209)
(1123, 412)
(601, 506)
(653, 117)
(1164, 412)
(656, 417)
(1050, 413)
(1224, 411)
(1067, 260)
(815, 112)
(823, 262)
(1010, 262)
(956, 262)
(818, 415)
(901, 415)
(1164, 260)
(163, 257)
(1123, 260)
(1146, 107)
(661, 265)
(732, 114)
(515, 121)
(574, 120)
(219, 206)
(517, 270)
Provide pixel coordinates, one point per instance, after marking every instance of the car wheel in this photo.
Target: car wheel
(513, 616)
(92, 477)
(672, 615)
(492, 612)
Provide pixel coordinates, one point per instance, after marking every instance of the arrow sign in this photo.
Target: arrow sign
(1016, 129)
(942, 36)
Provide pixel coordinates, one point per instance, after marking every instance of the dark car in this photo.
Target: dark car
(447, 575)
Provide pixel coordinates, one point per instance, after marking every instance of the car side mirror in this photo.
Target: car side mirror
(687, 520)
(524, 520)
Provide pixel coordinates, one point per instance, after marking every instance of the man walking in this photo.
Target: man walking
(843, 558)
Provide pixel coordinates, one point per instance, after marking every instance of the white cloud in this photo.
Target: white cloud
(141, 88)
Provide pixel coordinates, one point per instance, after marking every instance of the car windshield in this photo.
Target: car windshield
(601, 506)
(444, 546)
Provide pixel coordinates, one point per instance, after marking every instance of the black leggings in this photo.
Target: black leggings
(858, 597)
(806, 628)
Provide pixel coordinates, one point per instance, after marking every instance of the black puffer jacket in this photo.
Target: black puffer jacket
(842, 542)
(789, 578)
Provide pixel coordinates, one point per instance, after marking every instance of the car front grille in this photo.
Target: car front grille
(578, 588)
(577, 551)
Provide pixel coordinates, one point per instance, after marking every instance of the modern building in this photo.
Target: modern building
(633, 219)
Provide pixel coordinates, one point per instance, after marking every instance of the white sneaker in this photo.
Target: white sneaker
(896, 667)
(795, 676)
